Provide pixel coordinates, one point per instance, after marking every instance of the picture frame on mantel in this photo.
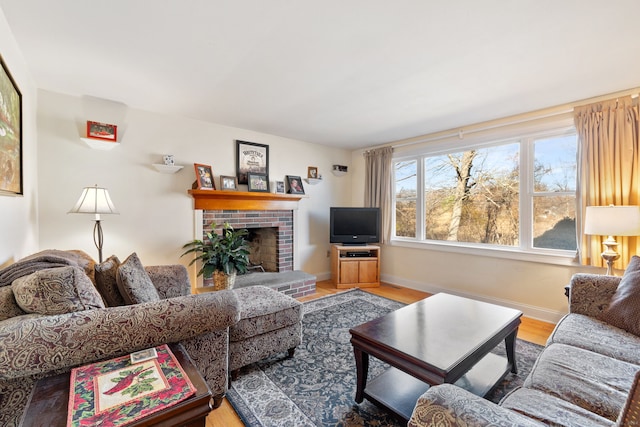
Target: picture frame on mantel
(228, 183)
(204, 177)
(295, 184)
(251, 158)
(11, 182)
(258, 182)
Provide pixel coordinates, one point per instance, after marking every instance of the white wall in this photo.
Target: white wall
(19, 214)
(156, 213)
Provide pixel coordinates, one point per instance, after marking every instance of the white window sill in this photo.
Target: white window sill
(564, 258)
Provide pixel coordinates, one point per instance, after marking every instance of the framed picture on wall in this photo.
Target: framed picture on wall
(258, 182)
(102, 131)
(251, 158)
(10, 134)
(204, 177)
(312, 172)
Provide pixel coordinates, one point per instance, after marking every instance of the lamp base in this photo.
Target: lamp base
(98, 239)
(610, 255)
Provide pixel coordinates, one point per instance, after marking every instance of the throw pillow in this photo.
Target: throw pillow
(624, 309)
(8, 305)
(56, 291)
(107, 283)
(134, 283)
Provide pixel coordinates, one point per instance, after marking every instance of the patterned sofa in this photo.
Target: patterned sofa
(52, 319)
(587, 375)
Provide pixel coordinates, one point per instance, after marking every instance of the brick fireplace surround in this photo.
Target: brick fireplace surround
(282, 221)
(253, 211)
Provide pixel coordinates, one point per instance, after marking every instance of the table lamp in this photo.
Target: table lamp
(612, 221)
(95, 200)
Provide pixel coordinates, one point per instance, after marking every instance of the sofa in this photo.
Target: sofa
(59, 310)
(587, 374)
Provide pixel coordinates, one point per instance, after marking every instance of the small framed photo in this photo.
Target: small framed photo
(229, 183)
(143, 355)
(312, 172)
(102, 131)
(204, 177)
(258, 182)
(295, 184)
(280, 187)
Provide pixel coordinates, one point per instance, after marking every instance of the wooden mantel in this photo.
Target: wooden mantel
(242, 200)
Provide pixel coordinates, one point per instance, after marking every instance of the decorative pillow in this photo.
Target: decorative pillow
(8, 305)
(134, 283)
(107, 283)
(624, 309)
(56, 291)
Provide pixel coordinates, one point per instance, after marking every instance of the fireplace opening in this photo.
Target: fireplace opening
(263, 244)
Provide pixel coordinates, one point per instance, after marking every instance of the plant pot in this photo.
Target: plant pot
(221, 280)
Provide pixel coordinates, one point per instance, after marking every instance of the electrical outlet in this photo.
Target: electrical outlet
(328, 254)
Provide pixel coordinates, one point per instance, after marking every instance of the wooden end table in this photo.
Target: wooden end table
(50, 399)
(440, 339)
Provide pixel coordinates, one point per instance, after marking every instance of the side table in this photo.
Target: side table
(50, 398)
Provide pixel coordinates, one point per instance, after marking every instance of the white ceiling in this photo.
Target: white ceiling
(348, 73)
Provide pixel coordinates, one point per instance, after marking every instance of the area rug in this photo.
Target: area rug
(317, 386)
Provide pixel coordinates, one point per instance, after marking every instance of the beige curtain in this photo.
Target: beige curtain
(607, 170)
(378, 192)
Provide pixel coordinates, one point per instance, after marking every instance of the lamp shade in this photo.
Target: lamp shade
(612, 220)
(94, 200)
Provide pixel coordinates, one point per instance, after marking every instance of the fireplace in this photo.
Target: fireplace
(270, 234)
(257, 212)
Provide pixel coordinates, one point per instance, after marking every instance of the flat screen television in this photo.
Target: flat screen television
(354, 226)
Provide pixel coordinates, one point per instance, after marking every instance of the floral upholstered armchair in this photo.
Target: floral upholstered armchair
(59, 310)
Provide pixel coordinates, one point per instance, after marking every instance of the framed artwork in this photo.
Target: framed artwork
(229, 183)
(102, 131)
(279, 186)
(312, 172)
(295, 184)
(10, 134)
(204, 177)
(251, 158)
(258, 182)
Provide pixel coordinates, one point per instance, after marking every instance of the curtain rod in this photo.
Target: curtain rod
(507, 121)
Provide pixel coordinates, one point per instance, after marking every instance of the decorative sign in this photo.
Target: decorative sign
(251, 158)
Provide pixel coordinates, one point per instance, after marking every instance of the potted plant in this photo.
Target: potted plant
(222, 255)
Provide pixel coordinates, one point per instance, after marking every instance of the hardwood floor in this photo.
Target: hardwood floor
(530, 330)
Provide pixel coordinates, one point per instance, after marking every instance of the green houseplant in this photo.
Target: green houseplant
(222, 255)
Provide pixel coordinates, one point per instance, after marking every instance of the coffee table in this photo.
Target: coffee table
(440, 339)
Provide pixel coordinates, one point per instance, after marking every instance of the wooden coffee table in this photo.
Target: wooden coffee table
(50, 398)
(440, 339)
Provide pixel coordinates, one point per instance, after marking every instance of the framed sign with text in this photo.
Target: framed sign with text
(251, 158)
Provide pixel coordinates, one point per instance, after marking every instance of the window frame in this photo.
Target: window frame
(525, 249)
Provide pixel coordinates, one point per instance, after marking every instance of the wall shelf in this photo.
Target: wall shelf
(313, 181)
(97, 144)
(167, 168)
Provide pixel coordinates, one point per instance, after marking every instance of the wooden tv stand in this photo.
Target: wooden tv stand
(355, 266)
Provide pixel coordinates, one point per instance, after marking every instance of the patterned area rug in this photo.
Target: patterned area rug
(317, 386)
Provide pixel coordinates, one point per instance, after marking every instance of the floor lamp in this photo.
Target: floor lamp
(95, 200)
(612, 221)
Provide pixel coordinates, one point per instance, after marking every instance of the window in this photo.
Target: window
(518, 194)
